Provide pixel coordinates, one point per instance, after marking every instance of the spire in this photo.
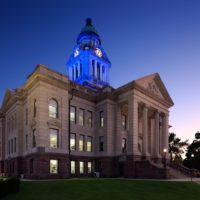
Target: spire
(88, 22)
(89, 31)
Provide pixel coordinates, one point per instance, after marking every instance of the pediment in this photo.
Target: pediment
(153, 85)
(7, 97)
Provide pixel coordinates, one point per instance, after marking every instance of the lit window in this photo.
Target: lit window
(53, 138)
(101, 143)
(53, 108)
(81, 143)
(124, 122)
(101, 119)
(72, 114)
(53, 166)
(72, 142)
(34, 138)
(81, 167)
(81, 116)
(89, 144)
(89, 167)
(89, 120)
(73, 167)
(124, 145)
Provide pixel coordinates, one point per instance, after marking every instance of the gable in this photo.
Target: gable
(154, 86)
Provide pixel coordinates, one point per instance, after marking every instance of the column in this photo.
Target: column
(135, 126)
(165, 132)
(144, 130)
(101, 72)
(156, 148)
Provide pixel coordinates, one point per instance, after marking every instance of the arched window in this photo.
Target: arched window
(53, 108)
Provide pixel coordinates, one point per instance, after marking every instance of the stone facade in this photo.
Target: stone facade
(132, 113)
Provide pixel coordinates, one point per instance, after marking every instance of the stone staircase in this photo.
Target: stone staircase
(146, 169)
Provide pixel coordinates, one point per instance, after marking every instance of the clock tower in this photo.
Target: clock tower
(88, 64)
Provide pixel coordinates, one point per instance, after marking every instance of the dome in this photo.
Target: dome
(88, 31)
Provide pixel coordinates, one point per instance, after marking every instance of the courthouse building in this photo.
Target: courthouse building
(60, 126)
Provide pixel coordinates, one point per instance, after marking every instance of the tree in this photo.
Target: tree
(176, 147)
(193, 153)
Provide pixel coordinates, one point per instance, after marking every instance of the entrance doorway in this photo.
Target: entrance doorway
(121, 169)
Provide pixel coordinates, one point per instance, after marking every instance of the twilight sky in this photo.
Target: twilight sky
(140, 37)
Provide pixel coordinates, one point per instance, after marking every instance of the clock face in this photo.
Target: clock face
(76, 53)
(98, 52)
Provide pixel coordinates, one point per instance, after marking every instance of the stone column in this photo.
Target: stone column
(165, 132)
(101, 72)
(144, 130)
(135, 127)
(156, 148)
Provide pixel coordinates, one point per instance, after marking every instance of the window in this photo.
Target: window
(34, 108)
(80, 68)
(76, 72)
(15, 120)
(53, 108)
(81, 116)
(12, 123)
(98, 71)
(72, 114)
(34, 138)
(81, 142)
(81, 167)
(89, 120)
(72, 73)
(53, 138)
(124, 122)
(123, 145)
(26, 141)
(89, 144)
(89, 167)
(9, 147)
(101, 119)
(73, 141)
(12, 146)
(53, 166)
(73, 167)
(93, 68)
(101, 143)
(26, 116)
(15, 144)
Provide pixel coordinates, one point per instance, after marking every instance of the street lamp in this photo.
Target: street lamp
(164, 157)
(191, 170)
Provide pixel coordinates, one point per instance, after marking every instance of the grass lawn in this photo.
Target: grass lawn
(108, 189)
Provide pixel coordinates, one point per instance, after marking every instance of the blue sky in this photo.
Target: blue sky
(140, 37)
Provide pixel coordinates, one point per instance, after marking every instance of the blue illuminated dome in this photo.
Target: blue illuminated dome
(88, 63)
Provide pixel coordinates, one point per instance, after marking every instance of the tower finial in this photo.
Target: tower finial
(88, 22)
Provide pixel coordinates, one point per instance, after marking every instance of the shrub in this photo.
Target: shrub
(9, 185)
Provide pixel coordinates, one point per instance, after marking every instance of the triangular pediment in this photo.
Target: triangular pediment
(7, 97)
(153, 85)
